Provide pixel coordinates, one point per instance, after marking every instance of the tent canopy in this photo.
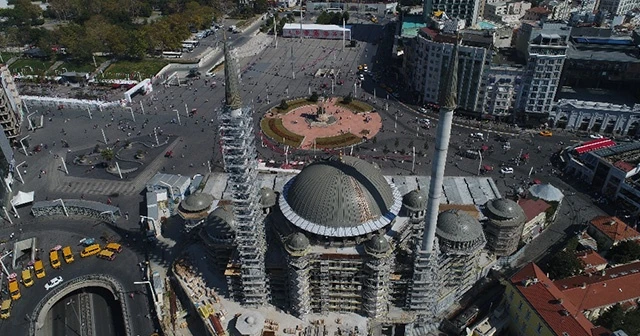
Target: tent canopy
(22, 198)
(546, 192)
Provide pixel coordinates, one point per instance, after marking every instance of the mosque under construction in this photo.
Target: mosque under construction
(339, 236)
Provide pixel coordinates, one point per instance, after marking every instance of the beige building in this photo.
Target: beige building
(536, 212)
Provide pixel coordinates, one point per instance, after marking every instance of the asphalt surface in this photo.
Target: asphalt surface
(267, 78)
(62, 231)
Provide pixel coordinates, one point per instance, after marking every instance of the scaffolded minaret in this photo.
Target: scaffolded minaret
(239, 154)
(425, 287)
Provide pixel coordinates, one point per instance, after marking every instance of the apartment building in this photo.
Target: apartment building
(544, 47)
(457, 9)
(507, 12)
(428, 54)
(618, 7)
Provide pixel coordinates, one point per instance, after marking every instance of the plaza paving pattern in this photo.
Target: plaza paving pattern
(361, 124)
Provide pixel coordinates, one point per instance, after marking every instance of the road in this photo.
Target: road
(51, 232)
(272, 75)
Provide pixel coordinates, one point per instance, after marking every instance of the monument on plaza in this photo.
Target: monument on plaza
(322, 117)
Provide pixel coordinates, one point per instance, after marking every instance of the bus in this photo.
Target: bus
(172, 54)
(193, 43)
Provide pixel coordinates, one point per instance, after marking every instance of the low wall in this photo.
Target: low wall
(39, 315)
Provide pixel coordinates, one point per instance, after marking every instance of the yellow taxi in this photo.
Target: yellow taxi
(546, 133)
(27, 279)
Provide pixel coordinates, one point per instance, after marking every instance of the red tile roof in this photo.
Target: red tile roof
(591, 260)
(618, 284)
(614, 228)
(539, 10)
(624, 166)
(549, 302)
(532, 208)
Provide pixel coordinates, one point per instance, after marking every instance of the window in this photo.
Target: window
(520, 306)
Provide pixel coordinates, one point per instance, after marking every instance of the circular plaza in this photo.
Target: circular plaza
(318, 123)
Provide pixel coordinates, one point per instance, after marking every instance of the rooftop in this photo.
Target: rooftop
(591, 260)
(532, 208)
(614, 228)
(560, 315)
(608, 287)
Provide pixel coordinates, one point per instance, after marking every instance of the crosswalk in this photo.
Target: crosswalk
(96, 187)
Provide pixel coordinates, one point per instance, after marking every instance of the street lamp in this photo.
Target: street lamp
(24, 148)
(4, 268)
(479, 164)
(132, 115)
(29, 120)
(156, 303)
(63, 206)
(178, 115)
(17, 169)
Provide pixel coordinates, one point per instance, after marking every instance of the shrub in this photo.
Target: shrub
(347, 99)
(314, 97)
(283, 105)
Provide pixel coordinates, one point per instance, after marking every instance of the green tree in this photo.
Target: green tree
(108, 155)
(625, 252)
(612, 318)
(260, 6)
(563, 264)
(314, 97)
(345, 16)
(347, 99)
(283, 105)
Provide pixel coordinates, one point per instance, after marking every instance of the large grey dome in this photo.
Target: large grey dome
(267, 197)
(219, 223)
(458, 226)
(297, 242)
(415, 200)
(378, 244)
(503, 208)
(340, 198)
(197, 202)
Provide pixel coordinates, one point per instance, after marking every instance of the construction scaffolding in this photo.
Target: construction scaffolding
(239, 155)
(10, 104)
(376, 286)
(299, 285)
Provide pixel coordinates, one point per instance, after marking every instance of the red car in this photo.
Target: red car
(168, 154)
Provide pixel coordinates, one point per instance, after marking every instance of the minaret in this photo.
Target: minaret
(448, 104)
(425, 286)
(239, 154)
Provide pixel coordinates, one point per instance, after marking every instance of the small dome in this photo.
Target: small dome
(297, 242)
(378, 244)
(197, 202)
(250, 320)
(267, 197)
(220, 223)
(504, 208)
(415, 200)
(458, 226)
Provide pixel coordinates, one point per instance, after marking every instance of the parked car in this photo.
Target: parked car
(53, 282)
(596, 136)
(506, 170)
(477, 135)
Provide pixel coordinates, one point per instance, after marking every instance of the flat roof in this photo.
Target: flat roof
(314, 26)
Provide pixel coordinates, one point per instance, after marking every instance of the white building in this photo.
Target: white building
(596, 117)
(316, 31)
(507, 12)
(503, 85)
(618, 7)
(544, 46)
(373, 7)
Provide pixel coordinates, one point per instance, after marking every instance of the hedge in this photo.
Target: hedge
(338, 141)
(275, 130)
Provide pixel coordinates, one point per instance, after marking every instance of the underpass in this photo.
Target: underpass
(86, 312)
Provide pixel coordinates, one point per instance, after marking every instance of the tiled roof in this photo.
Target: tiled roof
(532, 208)
(614, 228)
(590, 260)
(539, 10)
(550, 303)
(618, 284)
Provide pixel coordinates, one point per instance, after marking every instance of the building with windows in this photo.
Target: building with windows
(609, 168)
(426, 55)
(596, 117)
(617, 7)
(611, 231)
(537, 306)
(467, 10)
(10, 105)
(507, 12)
(503, 84)
(544, 47)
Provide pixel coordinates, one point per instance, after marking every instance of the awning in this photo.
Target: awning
(594, 145)
(22, 198)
